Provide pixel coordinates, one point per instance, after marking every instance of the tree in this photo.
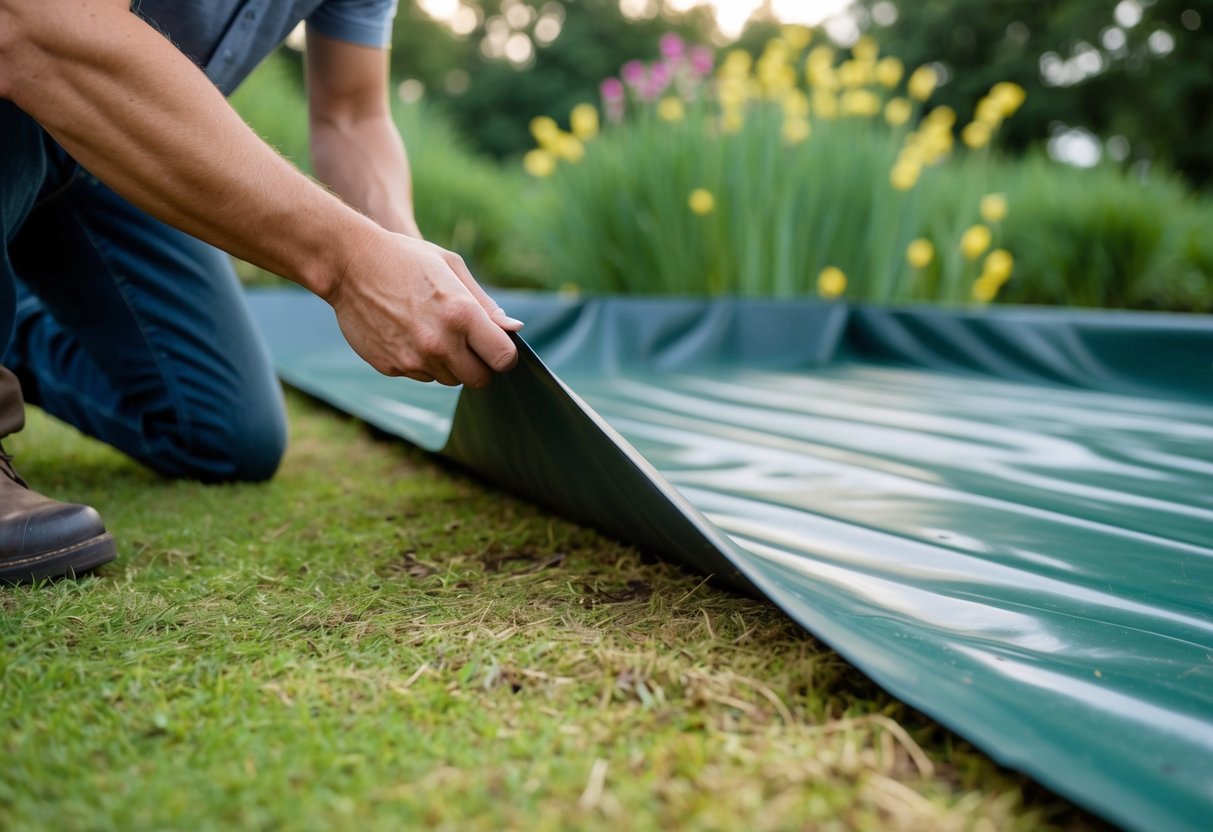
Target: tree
(492, 93)
(1137, 69)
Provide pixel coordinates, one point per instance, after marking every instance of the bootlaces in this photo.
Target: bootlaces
(6, 467)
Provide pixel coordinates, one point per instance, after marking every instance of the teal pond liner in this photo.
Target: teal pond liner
(1004, 517)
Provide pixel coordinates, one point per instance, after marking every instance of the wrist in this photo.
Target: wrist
(325, 271)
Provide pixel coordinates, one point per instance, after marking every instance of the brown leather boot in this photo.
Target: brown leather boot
(41, 538)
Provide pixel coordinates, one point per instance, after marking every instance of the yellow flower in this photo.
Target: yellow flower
(736, 64)
(1009, 95)
(976, 135)
(831, 282)
(993, 207)
(905, 174)
(732, 92)
(998, 266)
(822, 78)
(701, 201)
(545, 130)
(935, 144)
(897, 111)
(671, 109)
(920, 253)
(975, 241)
(860, 103)
(820, 57)
(584, 121)
(777, 79)
(797, 37)
(942, 117)
(569, 148)
(854, 73)
(825, 104)
(922, 83)
(989, 112)
(795, 130)
(889, 71)
(984, 289)
(795, 104)
(539, 163)
(865, 49)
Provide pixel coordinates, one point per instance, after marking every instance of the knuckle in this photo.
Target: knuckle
(429, 345)
(459, 316)
(504, 360)
(477, 380)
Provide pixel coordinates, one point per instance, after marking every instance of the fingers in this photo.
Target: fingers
(414, 310)
(467, 349)
(505, 321)
(493, 346)
(470, 369)
(495, 312)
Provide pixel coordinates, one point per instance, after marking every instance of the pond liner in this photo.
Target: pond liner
(1004, 517)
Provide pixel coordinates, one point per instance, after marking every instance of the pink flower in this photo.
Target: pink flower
(702, 60)
(660, 75)
(612, 89)
(634, 73)
(672, 46)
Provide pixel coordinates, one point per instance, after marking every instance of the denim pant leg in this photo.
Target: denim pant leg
(138, 334)
(22, 173)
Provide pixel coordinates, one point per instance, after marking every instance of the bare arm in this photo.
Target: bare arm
(135, 112)
(356, 149)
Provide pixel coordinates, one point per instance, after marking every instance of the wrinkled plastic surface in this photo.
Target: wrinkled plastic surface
(1004, 518)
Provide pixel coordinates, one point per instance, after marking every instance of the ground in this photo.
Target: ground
(376, 641)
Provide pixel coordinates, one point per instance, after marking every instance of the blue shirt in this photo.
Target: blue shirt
(227, 38)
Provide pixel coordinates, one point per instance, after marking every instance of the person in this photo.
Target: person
(124, 172)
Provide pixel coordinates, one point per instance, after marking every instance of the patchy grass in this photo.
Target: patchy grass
(373, 642)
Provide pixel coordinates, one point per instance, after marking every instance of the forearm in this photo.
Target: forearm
(364, 161)
(137, 114)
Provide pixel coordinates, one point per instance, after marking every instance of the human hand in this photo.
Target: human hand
(410, 308)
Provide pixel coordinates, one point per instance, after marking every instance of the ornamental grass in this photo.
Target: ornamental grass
(805, 170)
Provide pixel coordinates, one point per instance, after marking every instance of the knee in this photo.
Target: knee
(251, 446)
(242, 445)
(255, 450)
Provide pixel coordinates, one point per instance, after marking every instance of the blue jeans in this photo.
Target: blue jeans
(130, 330)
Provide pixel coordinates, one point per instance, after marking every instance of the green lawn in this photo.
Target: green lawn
(373, 641)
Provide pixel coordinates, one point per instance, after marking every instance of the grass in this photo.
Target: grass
(372, 641)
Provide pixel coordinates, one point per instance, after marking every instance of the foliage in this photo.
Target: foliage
(370, 642)
(491, 98)
(846, 190)
(1082, 65)
(1096, 238)
(731, 188)
(463, 201)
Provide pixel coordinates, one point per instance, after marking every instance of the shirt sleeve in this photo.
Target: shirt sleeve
(364, 22)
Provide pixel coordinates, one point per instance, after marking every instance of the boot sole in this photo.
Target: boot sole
(68, 562)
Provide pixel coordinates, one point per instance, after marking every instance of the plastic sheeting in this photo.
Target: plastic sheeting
(1005, 518)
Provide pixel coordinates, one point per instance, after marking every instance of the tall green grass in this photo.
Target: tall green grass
(620, 220)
